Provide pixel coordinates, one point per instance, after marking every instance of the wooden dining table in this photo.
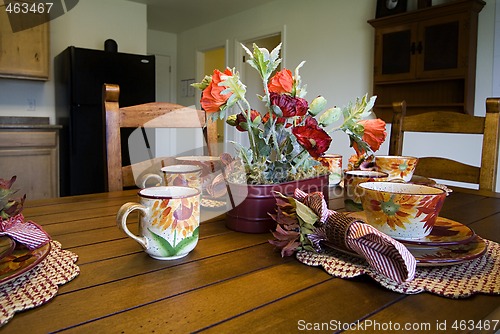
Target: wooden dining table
(231, 282)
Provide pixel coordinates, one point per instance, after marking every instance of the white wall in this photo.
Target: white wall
(337, 43)
(87, 25)
(163, 43)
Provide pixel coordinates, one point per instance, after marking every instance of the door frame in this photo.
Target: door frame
(200, 73)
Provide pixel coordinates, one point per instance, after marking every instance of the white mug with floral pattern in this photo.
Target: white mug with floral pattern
(169, 221)
(176, 175)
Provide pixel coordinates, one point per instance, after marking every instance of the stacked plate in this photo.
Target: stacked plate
(16, 259)
(449, 243)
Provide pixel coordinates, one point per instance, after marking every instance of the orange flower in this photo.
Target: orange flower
(374, 134)
(281, 82)
(211, 99)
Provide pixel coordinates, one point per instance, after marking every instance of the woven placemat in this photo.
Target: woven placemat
(38, 285)
(481, 275)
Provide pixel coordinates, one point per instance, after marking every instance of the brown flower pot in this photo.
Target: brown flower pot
(252, 203)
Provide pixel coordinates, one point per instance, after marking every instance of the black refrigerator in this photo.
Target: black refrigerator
(79, 76)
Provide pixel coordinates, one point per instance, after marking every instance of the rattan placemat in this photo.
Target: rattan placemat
(40, 284)
(481, 275)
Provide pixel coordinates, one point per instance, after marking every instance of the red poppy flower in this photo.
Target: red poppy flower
(211, 99)
(281, 82)
(290, 106)
(374, 134)
(313, 138)
(240, 118)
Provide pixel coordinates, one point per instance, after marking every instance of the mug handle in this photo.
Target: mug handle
(121, 221)
(144, 179)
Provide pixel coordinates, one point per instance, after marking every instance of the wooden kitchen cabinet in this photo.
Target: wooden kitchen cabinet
(23, 54)
(30, 151)
(428, 58)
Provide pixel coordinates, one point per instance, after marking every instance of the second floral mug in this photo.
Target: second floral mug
(352, 179)
(334, 164)
(176, 175)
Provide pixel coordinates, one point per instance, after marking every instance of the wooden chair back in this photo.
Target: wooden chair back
(149, 115)
(452, 122)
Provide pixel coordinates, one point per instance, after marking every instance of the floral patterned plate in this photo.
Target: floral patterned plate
(212, 204)
(432, 256)
(448, 255)
(416, 179)
(20, 261)
(7, 245)
(445, 232)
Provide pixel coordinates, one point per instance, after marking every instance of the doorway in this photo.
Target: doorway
(249, 75)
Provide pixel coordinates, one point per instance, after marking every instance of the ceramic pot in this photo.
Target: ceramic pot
(253, 203)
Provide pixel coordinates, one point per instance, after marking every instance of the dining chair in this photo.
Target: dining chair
(452, 122)
(148, 115)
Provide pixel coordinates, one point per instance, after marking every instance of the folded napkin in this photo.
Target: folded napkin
(24, 232)
(337, 231)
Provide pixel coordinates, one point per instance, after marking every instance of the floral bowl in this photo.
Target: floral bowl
(398, 167)
(401, 210)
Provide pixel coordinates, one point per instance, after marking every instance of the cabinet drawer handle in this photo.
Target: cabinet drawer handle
(412, 48)
(420, 47)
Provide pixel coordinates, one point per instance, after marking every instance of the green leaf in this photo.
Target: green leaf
(264, 150)
(298, 89)
(263, 61)
(204, 84)
(370, 104)
(164, 245)
(306, 214)
(245, 154)
(167, 248)
(257, 121)
(244, 125)
(186, 242)
(233, 85)
(277, 110)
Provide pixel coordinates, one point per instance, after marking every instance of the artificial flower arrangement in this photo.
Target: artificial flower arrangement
(9, 207)
(287, 138)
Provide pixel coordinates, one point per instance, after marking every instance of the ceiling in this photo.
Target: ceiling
(176, 16)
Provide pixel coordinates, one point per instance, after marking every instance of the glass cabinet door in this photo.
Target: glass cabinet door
(394, 55)
(441, 48)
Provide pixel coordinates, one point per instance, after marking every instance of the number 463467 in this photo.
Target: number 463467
(25, 8)
(471, 325)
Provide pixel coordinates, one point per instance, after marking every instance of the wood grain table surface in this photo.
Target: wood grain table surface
(231, 282)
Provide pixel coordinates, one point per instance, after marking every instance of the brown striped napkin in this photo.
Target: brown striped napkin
(383, 253)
